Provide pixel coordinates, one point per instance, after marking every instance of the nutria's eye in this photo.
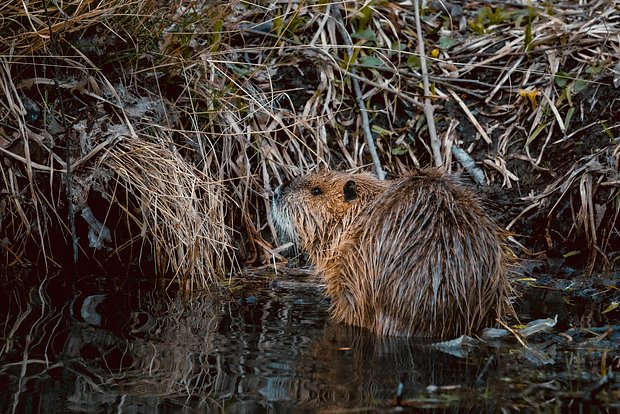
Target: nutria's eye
(349, 190)
(316, 191)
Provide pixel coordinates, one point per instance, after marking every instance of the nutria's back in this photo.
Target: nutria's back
(415, 256)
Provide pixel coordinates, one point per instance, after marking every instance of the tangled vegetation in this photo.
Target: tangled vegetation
(156, 132)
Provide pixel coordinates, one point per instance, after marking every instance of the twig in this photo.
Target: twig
(470, 116)
(521, 214)
(428, 107)
(469, 164)
(68, 149)
(503, 80)
(514, 333)
(30, 164)
(499, 164)
(372, 149)
(386, 88)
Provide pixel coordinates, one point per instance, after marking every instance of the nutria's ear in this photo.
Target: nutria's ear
(350, 190)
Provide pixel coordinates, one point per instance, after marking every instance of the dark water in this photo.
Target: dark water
(122, 343)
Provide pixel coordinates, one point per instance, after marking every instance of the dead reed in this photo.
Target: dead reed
(196, 111)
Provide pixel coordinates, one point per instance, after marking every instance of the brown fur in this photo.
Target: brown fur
(416, 256)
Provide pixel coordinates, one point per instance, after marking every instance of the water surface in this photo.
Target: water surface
(124, 343)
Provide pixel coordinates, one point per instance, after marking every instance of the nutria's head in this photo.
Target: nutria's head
(313, 210)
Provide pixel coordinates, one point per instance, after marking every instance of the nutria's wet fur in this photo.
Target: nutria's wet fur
(416, 256)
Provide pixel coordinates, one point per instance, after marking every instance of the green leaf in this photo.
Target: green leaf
(607, 131)
(537, 131)
(399, 46)
(476, 27)
(399, 150)
(446, 42)
(380, 131)
(366, 34)
(612, 306)
(278, 24)
(595, 69)
(561, 78)
(238, 70)
(364, 14)
(528, 35)
(572, 253)
(370, 61)
(413, 61)
(580, 84)
(569, 117)
(217, 34)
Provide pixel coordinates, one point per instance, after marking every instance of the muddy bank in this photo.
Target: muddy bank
(156, 135)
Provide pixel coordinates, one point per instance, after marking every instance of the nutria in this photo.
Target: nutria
(416, 256)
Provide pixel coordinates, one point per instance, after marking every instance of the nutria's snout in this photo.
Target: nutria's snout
(277, 194)
(281, 215)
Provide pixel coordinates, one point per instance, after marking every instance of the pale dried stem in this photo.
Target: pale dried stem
(428, 106)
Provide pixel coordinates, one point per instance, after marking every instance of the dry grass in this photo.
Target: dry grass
(117, 145)
(178, 208)
(221, 102)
